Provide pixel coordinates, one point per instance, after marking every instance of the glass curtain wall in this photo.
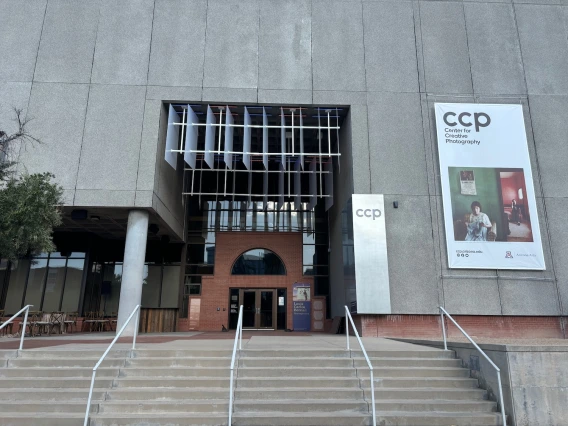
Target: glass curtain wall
(50, 282)
(159, 289)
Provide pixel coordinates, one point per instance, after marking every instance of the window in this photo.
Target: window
(258, 262)
(50, 282)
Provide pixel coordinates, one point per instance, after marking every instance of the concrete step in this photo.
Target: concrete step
(48, 382)
(64, 362)
(301, 419)
(171, 382)
(158, 419)
(174, 353)
(179, 372)
(430, 419)
(167, 394)
(435, 405)
(298, 393)
(383, 418)
(48, 394)
(178, 362)
(301, 406)
(459, 394)
(32, 406)
(220, 406)
(342, 353)
(8, 353)
(79, 354)
(285, 382)
(421, 382)
(296, 372)
(43, 419)
(295, 362)
(419, 353)
(40, 372)
(380, 372)
(408, 362)
(295, 353)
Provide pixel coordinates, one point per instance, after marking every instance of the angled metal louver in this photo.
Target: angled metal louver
(292, 149)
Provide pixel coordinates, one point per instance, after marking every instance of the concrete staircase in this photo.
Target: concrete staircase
(273, 387)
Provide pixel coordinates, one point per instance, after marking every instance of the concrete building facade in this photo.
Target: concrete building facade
(98, 77)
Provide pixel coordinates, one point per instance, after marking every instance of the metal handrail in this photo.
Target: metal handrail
(27, 309)
(136, 309)
(444, 312)
(348, 315)
(238, 338)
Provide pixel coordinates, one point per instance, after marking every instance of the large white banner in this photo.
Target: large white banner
(490, 211)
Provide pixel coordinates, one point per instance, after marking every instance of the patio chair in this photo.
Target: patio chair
(8, 327)
(102, 322)
(34, 317)
(70, 321)
(90, 320)
(113, 321)
(44, 324)
(57, 321)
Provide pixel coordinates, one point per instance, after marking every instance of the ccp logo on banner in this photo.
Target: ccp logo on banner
(374, 213)
(449, 118)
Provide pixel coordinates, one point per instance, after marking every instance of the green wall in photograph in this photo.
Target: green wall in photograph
(488, 194)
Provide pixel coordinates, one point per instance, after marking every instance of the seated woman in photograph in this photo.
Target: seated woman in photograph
(477, 224)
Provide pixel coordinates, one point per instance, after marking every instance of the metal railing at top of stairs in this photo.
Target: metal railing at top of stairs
(349, 319)
(239, 339)
(95, 368)
(27, 309)
(497, 369)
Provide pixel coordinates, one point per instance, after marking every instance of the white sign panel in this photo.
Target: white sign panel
(370, 248)
(490, 211)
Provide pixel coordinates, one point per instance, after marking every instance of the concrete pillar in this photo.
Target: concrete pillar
(132, 268)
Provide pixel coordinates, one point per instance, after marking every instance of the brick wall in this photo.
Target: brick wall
(429, 326)
(230, 245)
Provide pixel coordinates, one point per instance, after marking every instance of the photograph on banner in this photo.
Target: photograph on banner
(301, 294)
(498, 211)
(490, 213)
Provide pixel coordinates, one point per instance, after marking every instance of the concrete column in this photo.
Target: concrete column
(132, 268)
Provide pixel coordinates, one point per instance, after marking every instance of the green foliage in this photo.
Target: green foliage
(29, 209)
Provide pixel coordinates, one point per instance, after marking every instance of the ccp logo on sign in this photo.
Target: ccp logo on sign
(480, 119)
(374, 213)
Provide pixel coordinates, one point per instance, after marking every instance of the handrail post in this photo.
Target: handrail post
(347, 328)
(136, 329)
(372, 377)
(443, 330)
(86, 422)
(238, 339)
(136, 310)
(24, 327)
(497, 369)
(11, 319)
(501, 402)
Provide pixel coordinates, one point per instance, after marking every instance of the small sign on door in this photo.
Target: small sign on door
(280, 300)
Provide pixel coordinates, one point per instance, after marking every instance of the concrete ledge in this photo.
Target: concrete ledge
(489, 346)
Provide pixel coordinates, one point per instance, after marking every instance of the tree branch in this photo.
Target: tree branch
(21, 134)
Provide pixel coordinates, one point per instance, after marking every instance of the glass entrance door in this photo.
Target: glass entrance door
(249, 308)
(259, 308)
